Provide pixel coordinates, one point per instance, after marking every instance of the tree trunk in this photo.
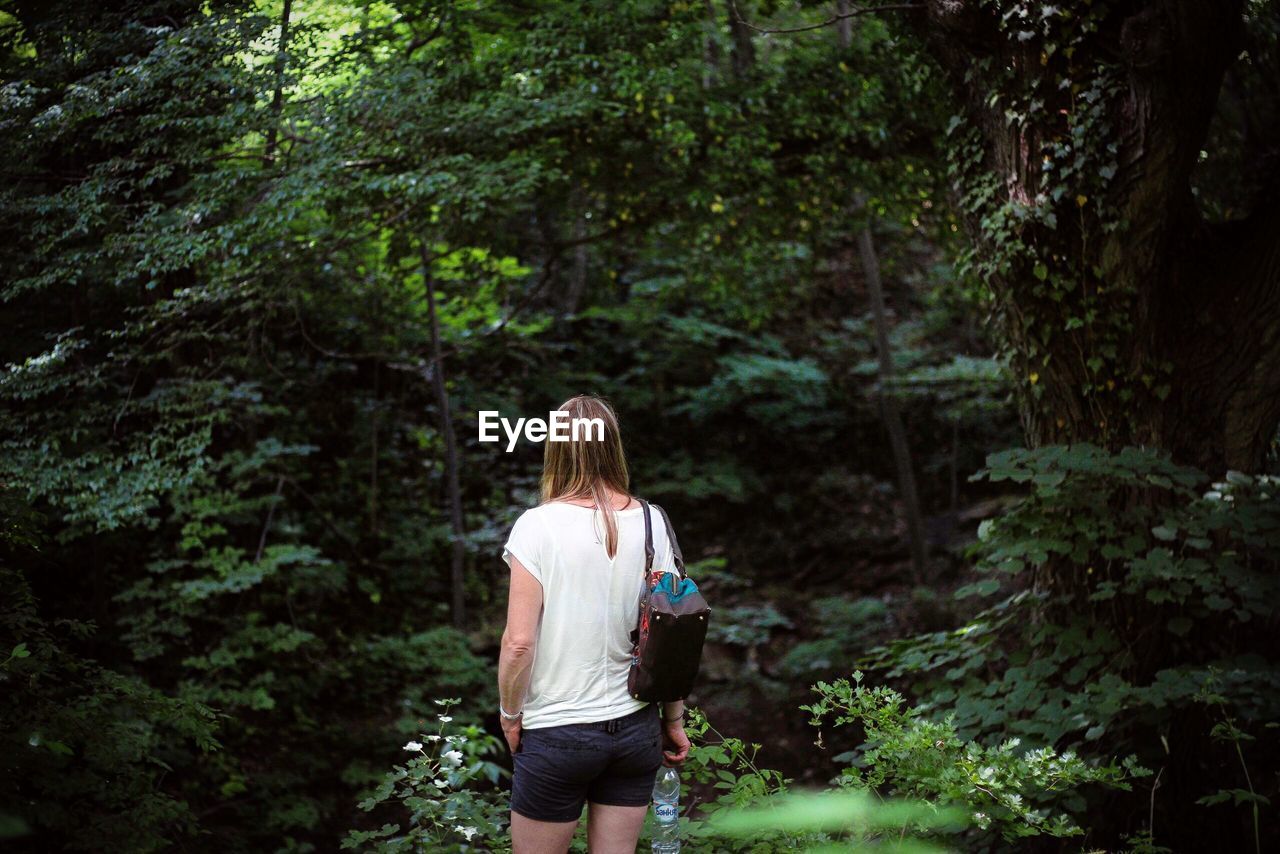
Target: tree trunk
(887, 403)
(889, 412)
(711, 47)
(844, 26)
(1127, 315)
(277, 98)
(578, 272)
(743, 53)
(456, 579)
(1129, 319)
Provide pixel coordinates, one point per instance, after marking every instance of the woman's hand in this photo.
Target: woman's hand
(675, 742)
(512, 730)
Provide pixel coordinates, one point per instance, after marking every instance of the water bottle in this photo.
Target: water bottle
(666, 811)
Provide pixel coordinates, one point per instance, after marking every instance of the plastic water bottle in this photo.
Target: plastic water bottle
(666, 811)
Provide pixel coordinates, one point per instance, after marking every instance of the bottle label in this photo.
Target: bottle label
(665, 813)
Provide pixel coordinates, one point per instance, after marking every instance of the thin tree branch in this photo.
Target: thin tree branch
(271, 515)
(839, 16)
(454, 490)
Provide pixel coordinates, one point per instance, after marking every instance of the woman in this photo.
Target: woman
(576, 734)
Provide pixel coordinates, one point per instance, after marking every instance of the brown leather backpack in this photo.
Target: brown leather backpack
(668, 637)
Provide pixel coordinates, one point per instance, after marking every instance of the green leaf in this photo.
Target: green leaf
(832, 811)
(981, 588)
(58, 747)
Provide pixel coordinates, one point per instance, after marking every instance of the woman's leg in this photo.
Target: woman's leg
(612, 829)
(544, 837)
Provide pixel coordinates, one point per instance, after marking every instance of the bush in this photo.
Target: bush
(447, 790)
(999, 789)
(1130, 583)
(914, 779)
(843, 628)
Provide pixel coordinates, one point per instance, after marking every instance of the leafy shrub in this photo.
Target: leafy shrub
(746, 625)
(843, 627)
(1128, 582)
(446, 799)
(86, 748)
(728, 766)
(442, 789)
(1000, 789)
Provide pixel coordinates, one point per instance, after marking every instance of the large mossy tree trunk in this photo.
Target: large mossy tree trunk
(1136, 297)
(1130, 316)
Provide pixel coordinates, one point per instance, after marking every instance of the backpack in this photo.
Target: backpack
(672, 625)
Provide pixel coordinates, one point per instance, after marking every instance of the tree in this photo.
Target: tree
(1137, 304)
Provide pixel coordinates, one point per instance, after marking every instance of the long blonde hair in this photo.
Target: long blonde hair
(587, 467)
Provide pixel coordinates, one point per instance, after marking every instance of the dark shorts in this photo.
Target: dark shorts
(608, 762)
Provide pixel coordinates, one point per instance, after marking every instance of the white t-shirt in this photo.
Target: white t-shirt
(589, 607)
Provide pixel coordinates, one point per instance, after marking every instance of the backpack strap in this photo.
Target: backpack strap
(645, 590)
(648, 537)
(671, 537)
(648, 565)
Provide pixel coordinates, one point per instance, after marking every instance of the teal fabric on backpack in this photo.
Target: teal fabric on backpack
(676, 588)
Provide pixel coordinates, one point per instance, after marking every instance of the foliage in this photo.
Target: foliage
(843, 628)
(746, 625)
(1176, 586)
(943, 787)
(1000, 789)
(433, 786)
(1226, 731)
(447, 790)
(224, 526)
(88, 746)
(1065, 309)
(865, 823)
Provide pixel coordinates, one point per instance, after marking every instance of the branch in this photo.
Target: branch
(840, 16)
(423, 41)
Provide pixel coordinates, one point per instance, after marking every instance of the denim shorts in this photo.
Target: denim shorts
(613, 762)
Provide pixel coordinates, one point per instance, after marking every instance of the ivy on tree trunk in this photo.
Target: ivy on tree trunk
(1128, 314)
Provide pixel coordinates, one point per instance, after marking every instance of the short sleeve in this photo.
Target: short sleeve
(525, 543)
(664, 558)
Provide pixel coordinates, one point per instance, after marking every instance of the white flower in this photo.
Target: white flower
(433, 738)
(444, 719)
(413, 745)
(465, 831)
(453, 757)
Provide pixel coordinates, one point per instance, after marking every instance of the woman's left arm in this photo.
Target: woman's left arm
(515, 660)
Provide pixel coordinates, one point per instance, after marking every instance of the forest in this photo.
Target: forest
(947, 332)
